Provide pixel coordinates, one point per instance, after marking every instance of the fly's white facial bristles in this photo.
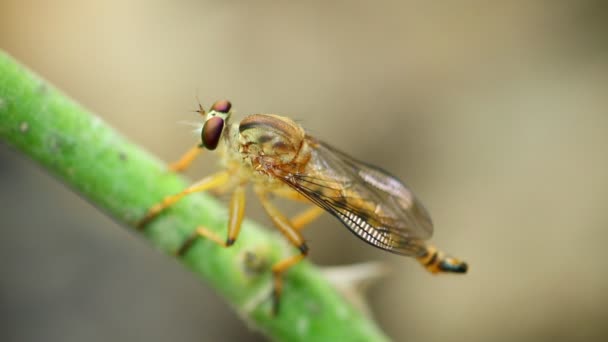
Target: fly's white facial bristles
(198, 126)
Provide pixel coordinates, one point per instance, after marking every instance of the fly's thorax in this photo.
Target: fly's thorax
(271, 141)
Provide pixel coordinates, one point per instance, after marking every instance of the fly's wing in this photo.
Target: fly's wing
(374, 205)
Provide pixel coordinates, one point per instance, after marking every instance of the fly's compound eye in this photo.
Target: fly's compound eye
(212, 131)
(222, 106)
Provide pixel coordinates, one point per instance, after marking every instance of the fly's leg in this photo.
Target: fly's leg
(294, 237)
(277, 272)
(307, 216)
(206, 183)
(186, 159)
(290, 194)
(235, 219)
(225, 188)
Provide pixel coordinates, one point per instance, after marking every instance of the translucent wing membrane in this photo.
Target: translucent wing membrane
(374, 205)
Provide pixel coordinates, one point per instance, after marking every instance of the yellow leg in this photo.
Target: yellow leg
(235, 219)
(186, 159)
(292, 234)
(299, 221)
(207, 183)
(225, 188)
(277, 272)
(291, 194)
(302, 219)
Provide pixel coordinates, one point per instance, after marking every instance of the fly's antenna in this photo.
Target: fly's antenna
(200, 110)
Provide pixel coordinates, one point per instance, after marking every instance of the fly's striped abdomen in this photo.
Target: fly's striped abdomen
(435, 261)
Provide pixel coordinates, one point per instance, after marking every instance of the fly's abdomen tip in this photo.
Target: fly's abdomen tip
(453, 266)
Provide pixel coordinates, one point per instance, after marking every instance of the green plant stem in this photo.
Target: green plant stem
(123, 180)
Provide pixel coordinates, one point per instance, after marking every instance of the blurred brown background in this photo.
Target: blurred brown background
(493, 112)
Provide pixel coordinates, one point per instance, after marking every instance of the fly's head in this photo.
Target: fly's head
(215, 122)
(270, 140)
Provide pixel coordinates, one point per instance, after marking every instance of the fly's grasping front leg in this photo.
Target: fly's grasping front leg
(206, 183)
(295, 238)
(187, 159)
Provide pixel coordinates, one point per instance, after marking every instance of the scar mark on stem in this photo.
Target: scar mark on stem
(254, 264)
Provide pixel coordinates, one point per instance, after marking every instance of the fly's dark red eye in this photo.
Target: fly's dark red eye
(212, 131)
(222, 106)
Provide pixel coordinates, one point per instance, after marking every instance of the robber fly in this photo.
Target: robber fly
(277, 156)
